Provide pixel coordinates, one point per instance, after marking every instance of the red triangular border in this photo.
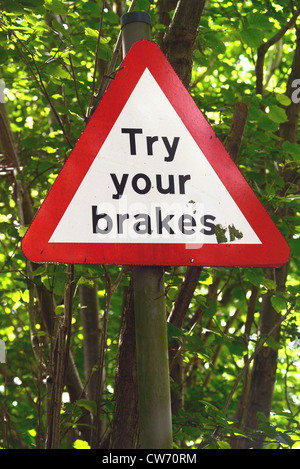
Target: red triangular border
(274, 250)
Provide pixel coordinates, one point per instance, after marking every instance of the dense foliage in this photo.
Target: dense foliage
(54, 59)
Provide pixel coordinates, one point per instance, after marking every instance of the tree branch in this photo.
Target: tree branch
(111, 68)
(185, 295)
(239, 121)
(179, 40)
(263, 49)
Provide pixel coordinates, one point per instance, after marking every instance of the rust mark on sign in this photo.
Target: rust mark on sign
(234, 233)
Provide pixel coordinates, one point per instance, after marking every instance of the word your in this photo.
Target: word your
(296, 94)
(142, 184)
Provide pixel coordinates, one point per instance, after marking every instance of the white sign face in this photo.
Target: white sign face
(150, 182)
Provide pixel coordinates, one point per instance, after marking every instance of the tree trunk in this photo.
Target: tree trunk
(263, 376)
(125, 422)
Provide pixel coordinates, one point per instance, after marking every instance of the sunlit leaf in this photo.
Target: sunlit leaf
(81, 444)
(277, 114)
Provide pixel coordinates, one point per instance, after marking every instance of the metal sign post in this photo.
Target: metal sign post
(155, 419)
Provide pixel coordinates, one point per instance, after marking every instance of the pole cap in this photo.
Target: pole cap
(135, 17)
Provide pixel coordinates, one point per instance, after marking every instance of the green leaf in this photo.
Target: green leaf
(259, 20)
(111, 17)
(211, 310)
(268, 429)
(104, 52)
(41, 334)
(174, 332)
(92, 9)
(81, 444)
(85, 281)
(236, 345)
(60, 28)
(59, 310)
(142, 5)
(255, 276)
(56, 70)
(283, 99)
(265, 123)
(271, 342)
(278, 303)
(277, 114)
(55, 6)
(251, 36)
(55, 281)
(91, 32)
(22, 230)
(87, 404)
(293, 149)
(215, 43)
(172, 293)
(223, 445)
(9, 230)
(269, 284)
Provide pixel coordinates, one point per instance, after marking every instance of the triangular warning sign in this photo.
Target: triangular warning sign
(149, 183)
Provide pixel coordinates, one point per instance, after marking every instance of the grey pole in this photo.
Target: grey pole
(154, 402)
(136, 25)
